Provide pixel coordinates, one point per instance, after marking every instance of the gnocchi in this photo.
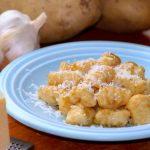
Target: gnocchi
(84, 66)
(134, 69)
(112, 117)
(79, 115)
(98, 75)
(55, 78)
(82, 95)
(139, 107)
(147, 90)
(65, 66)
(113, 97)
(50, 94)
(103, 92)
(109, 59)
(64, 103)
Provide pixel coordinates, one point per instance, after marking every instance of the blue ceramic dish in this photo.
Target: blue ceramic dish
(21, 79)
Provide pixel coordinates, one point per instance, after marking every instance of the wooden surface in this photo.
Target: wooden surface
(43, 141)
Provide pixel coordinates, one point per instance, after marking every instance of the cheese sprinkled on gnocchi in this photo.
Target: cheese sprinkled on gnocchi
(103, 92)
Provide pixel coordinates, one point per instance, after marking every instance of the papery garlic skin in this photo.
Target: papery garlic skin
(1, 57)
(13, 18)
(18, 41)
(18, 35)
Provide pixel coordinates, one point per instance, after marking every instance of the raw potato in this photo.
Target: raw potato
(125, 16)
(64, 19)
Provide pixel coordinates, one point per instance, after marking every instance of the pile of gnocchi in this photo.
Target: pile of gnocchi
(103, 92)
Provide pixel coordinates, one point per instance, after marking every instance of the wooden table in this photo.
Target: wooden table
(43, 141)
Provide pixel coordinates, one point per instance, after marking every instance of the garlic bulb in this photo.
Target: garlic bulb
(18, 34)
(147, 33)
(1, 57)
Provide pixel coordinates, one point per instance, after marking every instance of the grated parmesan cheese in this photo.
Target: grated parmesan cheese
(85, 79)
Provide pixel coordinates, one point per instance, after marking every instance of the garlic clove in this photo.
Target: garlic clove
(39, 22)
(1, 57)
(13, 18)
(19, 39)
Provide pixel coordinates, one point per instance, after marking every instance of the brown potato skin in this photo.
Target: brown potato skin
(65, 19)
(125, 16)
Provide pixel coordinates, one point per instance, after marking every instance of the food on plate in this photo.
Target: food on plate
(131, 76)
(98, 75)
(113, 97)
(139, 107)
(112, 117)
(79, 115)
(147, 90)
(109, 59)
(65, 66)
(135, 85)
(50, 94)
(133, 68)
(18, 34)
(64, 19)
(56, 78)
(64, 103)
(82, 94)
(84, 65)
(125, 16)
(102, 92)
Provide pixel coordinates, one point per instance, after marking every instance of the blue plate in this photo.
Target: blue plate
(21, 79)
